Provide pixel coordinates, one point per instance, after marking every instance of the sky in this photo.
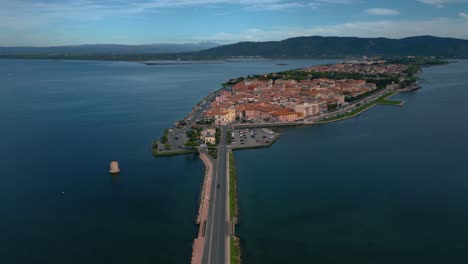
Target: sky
(74, 22)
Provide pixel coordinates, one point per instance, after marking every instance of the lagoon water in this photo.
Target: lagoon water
(390, 186)
(62, 122)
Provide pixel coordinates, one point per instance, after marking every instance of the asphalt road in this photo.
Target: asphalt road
(216, 228)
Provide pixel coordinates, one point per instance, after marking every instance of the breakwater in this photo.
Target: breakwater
(202, 216)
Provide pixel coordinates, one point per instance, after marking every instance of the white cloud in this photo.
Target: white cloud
(13, 12)
(275, 6)
(441, 3)
(383, 12)
(464, 15)
(253, 5)
(86, 8)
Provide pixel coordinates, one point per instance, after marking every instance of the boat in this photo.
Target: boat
(114, 167)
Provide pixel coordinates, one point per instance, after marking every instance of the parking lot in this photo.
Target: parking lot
(253, 137)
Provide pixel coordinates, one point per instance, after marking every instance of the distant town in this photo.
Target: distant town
(283, 98)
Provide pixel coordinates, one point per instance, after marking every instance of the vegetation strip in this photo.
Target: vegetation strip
(232, 189)
(235, 250)
(233, 211)
(174, 153)
(390, 102)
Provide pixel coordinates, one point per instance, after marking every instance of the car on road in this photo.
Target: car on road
(218, 186)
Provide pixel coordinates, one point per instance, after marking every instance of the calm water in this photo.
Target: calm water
(390, 186)
(62, 122)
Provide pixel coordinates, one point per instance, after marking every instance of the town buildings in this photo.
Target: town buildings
(208, 136)
(278, 98)
(311, 109)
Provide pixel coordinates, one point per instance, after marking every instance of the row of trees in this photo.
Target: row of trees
(165, 137)
(193, 135)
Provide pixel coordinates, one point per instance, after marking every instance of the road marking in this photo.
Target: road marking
(212, 213)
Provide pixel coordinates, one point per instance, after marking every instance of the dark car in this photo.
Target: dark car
(218, 186)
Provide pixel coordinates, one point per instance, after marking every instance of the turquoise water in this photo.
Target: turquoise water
(62, 122)
(390, 186)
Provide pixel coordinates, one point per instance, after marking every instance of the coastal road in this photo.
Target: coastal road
(351, 107)
(216, 228)
(197, 115)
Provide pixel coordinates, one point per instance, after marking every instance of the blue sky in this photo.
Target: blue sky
(69, 22)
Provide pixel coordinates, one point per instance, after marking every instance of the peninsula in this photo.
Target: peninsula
(247, 112)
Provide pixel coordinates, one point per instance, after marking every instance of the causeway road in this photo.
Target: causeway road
(216, 247)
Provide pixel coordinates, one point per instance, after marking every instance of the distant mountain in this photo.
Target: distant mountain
(338, 47)
(108, 49)
(300, 47)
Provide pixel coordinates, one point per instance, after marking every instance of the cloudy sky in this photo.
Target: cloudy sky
(66, 22)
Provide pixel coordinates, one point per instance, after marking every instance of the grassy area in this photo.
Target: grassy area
(390, 102)
(164, 138)
(385, 101)
(235, 250)
(156, 153)
(234, 241)
(360, 109)
(232, 189)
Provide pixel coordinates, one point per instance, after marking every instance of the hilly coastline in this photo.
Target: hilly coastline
(107, 49)
(314, 47)
(339, 47)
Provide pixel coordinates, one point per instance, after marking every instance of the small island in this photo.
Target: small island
(247, 112)
(308, 96)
